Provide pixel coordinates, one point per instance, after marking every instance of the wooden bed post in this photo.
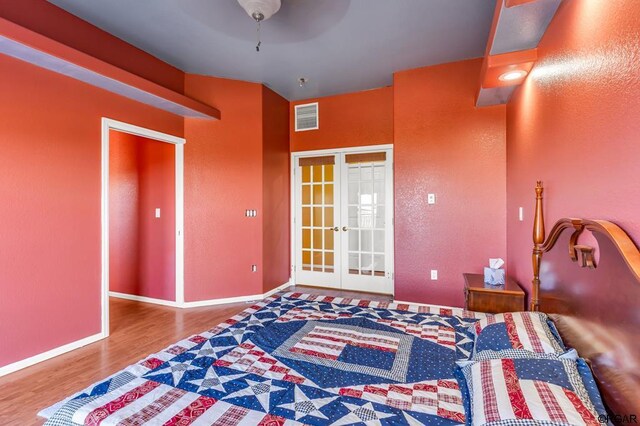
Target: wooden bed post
(538, 240)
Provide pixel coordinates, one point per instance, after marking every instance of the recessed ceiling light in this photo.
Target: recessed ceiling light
(512, 75)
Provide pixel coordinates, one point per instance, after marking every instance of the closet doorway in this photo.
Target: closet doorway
(342, 210)
(142, 216)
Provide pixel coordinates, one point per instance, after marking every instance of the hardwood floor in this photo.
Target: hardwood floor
(137, 330)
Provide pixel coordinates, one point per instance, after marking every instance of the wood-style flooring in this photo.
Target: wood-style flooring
(137, 330)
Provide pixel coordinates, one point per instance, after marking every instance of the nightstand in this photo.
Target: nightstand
(481, 297)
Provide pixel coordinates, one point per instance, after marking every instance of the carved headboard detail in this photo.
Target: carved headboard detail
(595, 305)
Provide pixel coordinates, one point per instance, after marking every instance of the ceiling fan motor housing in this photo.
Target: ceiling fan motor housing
(260, 10)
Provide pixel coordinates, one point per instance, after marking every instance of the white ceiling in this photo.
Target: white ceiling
(339, 45)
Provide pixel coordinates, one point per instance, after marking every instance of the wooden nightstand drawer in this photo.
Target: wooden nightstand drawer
(483, 298)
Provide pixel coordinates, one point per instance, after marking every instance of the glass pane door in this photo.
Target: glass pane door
(366, 227)
(343, 221)
(366, 231)
(316, 184)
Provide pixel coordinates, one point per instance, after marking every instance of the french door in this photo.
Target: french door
(343, 219)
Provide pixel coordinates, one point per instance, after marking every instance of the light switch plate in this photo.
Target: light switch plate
(431, 198)
(434, 274)
(521, 214)
(157, 213)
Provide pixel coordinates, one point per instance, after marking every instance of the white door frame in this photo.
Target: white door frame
(107, 125)
(337, 151)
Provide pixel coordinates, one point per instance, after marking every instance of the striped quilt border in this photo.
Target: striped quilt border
(418, 308)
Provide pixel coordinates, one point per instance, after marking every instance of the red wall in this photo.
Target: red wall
(444, 145)
(124, 193)
(60, 25)
(50, 214)
(238, 163)
(223, 178)
(353, 119)
(50, 184)
(141, 246)
(575, 124)
(276, 241)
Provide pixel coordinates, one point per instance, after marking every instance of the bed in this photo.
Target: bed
(297, 358)
(587, 277)
(294, 358)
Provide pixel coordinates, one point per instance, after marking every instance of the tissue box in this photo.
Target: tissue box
(493, 276)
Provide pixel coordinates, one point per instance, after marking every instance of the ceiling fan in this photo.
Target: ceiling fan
(260, 10)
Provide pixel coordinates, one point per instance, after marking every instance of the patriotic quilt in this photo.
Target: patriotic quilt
(293, 359)
(531, 391)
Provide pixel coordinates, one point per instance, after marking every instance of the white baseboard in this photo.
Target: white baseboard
(200, 303)
(144, 299)
(250, 298)
(7, 369)
(28, 362)
(213, 302)
(277, 289)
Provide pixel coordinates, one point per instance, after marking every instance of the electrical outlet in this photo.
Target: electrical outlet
(431, 198)
(254, 268)
(434, 274)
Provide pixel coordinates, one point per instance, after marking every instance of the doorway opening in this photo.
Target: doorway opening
(142, 216)
(342, 227)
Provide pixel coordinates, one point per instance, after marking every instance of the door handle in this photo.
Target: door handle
(344, 228)
(335, 229)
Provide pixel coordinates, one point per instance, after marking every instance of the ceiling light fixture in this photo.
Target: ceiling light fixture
(302, 81)
(512, 75)
(260, 10)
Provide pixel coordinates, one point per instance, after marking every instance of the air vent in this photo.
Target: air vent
(307, 117)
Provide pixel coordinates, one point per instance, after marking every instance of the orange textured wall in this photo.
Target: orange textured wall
(50, 184)
(575, 124)
(57, 24)
(353, 119)
(275, 190)
(124, 220)
(141, 246)
(223, 178)
(157, 266)
(444, 145)
(50, 187)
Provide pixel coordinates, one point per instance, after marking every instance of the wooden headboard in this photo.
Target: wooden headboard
(591, 289)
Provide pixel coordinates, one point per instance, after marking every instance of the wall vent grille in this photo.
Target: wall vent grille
(307, 117)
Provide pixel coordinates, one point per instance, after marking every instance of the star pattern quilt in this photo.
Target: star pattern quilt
(293, 359)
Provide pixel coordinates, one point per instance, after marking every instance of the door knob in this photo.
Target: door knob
(344, 228)
(336, 229)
